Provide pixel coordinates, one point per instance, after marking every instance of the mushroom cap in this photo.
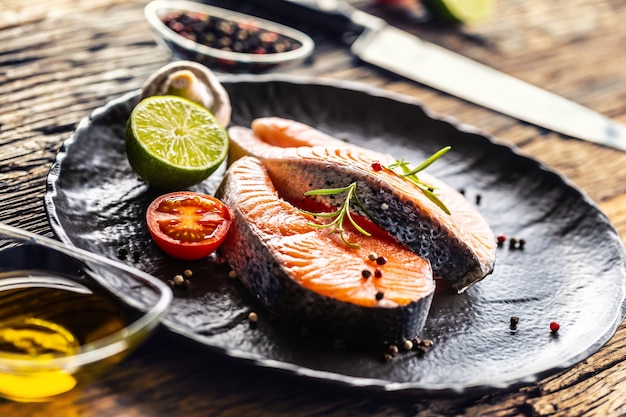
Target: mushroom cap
(206, 91)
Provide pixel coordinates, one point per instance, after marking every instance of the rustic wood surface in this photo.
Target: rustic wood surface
(60, 59)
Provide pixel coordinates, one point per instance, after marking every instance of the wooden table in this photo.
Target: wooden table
(60, 59)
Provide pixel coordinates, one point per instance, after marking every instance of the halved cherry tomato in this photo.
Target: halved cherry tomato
(188, 225)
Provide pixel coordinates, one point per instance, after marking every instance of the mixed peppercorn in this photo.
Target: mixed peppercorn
(409, 345)
(228, 35)
(514, 243)
(181, 281)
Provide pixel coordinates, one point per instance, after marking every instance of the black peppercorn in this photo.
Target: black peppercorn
(393, 350)
(427, 343)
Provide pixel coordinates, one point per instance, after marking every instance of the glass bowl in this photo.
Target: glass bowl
(63, 317)
(253, 45)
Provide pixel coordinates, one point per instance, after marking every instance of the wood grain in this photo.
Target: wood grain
(60, 59)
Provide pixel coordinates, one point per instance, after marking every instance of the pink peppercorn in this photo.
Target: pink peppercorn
(377, 166)
(554, 326)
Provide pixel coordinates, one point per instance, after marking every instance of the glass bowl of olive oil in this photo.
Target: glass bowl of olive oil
(63, 319)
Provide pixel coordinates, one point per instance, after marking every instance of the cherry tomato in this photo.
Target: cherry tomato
(188, 225)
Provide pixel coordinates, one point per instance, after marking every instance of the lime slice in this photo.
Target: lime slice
(173, 143)
(461, 11)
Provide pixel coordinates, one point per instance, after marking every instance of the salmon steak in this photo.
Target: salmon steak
(458, 243)
(310, 277)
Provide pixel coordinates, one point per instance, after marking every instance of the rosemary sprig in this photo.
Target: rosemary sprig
(411, 174)
(341, 213)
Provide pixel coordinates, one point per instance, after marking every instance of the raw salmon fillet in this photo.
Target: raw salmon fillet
(309, 276)
(298, 158)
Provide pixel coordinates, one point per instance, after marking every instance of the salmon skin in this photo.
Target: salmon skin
(460, 246)
(307, 276)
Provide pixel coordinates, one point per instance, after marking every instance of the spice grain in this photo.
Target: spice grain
(228, 35)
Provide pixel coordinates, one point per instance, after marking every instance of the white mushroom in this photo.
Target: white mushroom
(193, 81)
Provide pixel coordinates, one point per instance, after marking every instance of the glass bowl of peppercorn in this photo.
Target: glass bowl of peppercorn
(225, 40)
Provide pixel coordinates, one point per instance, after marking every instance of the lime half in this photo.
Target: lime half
(461, 11)
(173, 143)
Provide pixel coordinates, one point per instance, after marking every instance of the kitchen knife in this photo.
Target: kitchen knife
(400, 52)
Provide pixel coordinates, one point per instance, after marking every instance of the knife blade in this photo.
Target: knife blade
(390, 48)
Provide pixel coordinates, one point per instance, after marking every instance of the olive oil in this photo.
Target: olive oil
(44, 315)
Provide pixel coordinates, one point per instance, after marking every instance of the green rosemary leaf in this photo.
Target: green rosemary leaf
(428, 162)
(322, 213)
(433, 197)
(339, 214)
(356, 225)
(397, 163)
(320, 226)
(327, 191)
(362, 206)
(347, 242)
(410, 175)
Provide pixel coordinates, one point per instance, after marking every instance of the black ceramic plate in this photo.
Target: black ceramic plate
(571, 269)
